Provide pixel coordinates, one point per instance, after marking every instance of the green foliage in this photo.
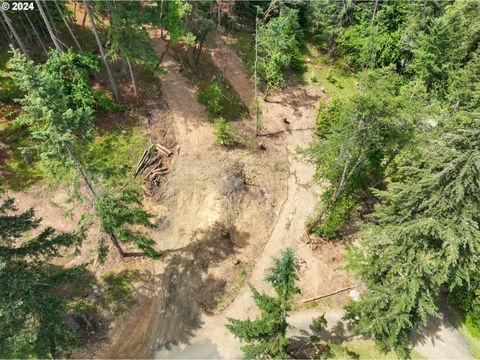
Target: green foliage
(211, 96)
(118, 213)
(328, 113)
(31, 315)
(58, 103)
(361, 134)
(336, 216)
(266, 335)
(320, 322)
(118, 292)
(425, 236)
(472, 322)
(279, 44)
(448, 44)
(128, 36)
(113, 155)
(224, 133)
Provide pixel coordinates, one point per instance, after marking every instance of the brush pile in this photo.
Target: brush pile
(155, 162)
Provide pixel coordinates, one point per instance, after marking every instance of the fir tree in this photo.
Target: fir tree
(266, 335)
(425, 236)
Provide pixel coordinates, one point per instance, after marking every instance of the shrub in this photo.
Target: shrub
(118, 293)
(320, 322)
(314, 79)
(336, 217)
(327, 114)
(472, 322)
(211, 97)
(224, 132)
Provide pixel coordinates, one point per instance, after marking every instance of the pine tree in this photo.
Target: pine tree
(266, 335)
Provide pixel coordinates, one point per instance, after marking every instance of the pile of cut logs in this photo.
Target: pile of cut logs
(155, 163)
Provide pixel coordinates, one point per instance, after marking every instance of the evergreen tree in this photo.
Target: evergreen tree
(31, 314)
(266, 335)
(424, 236)
(278, 47)
(363, 134)
(58, 109)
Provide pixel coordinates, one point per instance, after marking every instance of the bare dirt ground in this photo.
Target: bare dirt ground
(215, 213)
(232, 67)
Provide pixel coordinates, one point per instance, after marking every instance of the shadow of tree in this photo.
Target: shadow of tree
(447, 317)
(188, 288)
(323, 343)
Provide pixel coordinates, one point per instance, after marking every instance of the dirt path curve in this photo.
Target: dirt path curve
(232, 67)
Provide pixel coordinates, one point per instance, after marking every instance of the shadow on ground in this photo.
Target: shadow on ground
(188, 288)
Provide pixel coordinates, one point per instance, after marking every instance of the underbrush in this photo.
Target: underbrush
(244, 45)
(336, 79)
(213, 90)
(16, 174)
(113, 154)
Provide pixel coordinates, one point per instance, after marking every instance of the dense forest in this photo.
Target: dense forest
(397, 151)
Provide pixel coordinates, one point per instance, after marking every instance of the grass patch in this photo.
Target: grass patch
(244, 45)
(114, 154)
(118, 292)
(366, 349)
(16, 174)
(322, 70)
(472, 341)
(242, 271)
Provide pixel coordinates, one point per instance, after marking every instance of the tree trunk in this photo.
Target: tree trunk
(191, 55)
(49, 27)
(27, 33)
(132, 76)
(8, 36)
(68, 27)
(39, 39)
(219, 13)
(374, 11)
(124, 56)
(88, 183)
(161, 19)
(50, 18)
(83, 28)
(41, 25)
(167, 47)
(102, 52)
(15, 34)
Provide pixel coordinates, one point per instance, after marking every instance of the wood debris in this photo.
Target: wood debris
(155, 161)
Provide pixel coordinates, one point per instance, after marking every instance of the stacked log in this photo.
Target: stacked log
(155, 163)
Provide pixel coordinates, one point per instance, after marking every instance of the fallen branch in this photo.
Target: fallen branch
(153, 169)
(143, 160)
(154, 160)
(164, 150)
(331, 294)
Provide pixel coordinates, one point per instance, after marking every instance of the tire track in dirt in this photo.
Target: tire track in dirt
(232, 68)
